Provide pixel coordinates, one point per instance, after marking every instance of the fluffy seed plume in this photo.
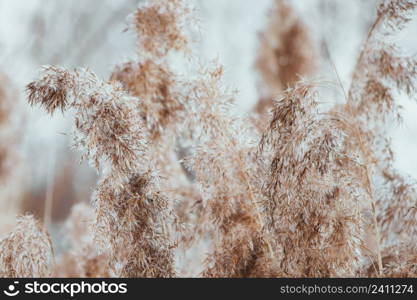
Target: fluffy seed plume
(160, 26)
(109, 131)
(187, 186)
(383, 71)
(26, 251)
(106, 124)
(315, 187)
(223, 164)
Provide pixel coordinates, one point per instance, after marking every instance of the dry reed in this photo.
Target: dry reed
(297, 197)
(26, 251)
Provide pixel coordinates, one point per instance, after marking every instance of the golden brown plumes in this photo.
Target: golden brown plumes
(381, 65)
(106, 123)
(159, 25)
(381, 72)
(286, 52)
(26, 251)
(224, 166)
(308, 193)
(108, 128)
(164, 94)
(244, 254)
(162, 91)
(157, 87)
(315, 187)
(398, 202)
(136, 225)
(51, 89)
(160, 28)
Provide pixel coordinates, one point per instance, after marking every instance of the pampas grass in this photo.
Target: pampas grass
(26, 251)
(296, 190)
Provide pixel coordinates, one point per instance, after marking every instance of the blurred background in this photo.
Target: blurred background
(38, 171)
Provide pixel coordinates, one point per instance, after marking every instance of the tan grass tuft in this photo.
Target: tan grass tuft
(26, 251)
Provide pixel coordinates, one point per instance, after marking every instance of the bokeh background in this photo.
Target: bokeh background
(46, 178)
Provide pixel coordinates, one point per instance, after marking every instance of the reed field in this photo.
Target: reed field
(160, 166)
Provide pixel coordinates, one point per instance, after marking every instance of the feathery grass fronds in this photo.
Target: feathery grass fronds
(161, 29)
(381, 72)
(157, 86)
(139, 227)
(160, 25)
(315, 187)
(106, 124)
(223, 164)
(108, 129)
(26, 251)
(178, 166)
